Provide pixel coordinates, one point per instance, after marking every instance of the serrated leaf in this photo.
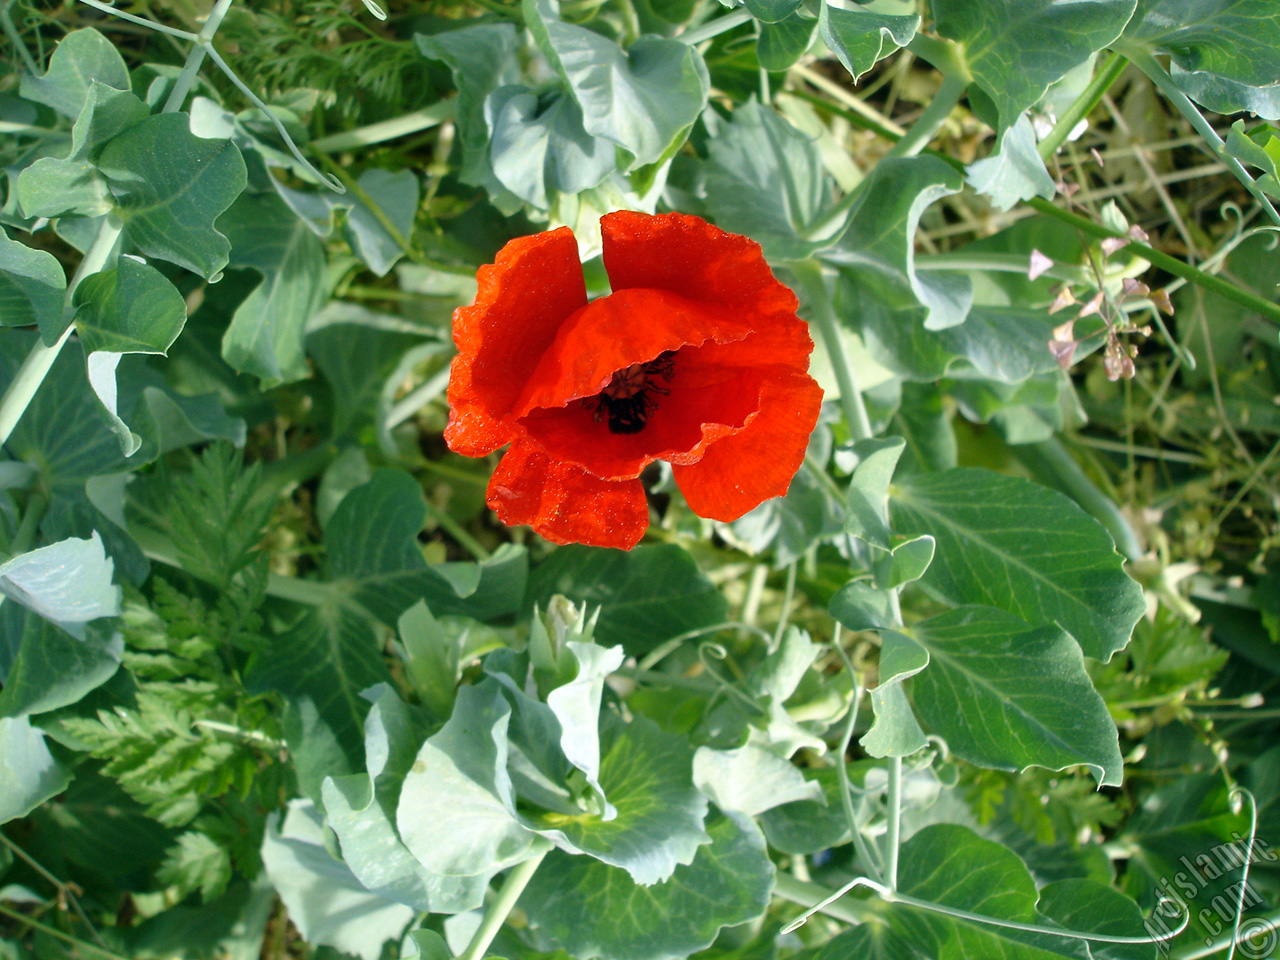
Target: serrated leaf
(645, 596)
(765, 179)
(80, 59)
(1027, 684)
(29, 775)
(72, 185)
(325, 901)
(861, 38)
(1237, 40)
(456, 810)
(68, 583)
(266, 334)
(594, 910)
(170, 186)
(32, 286)
(1030, 551)
(643, 99)
(1016, 48)
(196, 862)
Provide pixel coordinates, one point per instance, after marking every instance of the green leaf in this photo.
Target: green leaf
(456, 811)
(895, 732)
(325, 901)
(1027, 550)
(361, 811)
(861, 38)
(43, 667)
(1259, 148)
(540, 145)
(765, 179)
(53, 187)
(643, 99)
(1015, 49)
(1227, 96)
(646, 596)
(170, 186)
(593, 910)
(196, 862)
(1014, 172)
(128, 308)
(395, 194)
(68, 583)
(781, 45)
(80, 59)
(375, 556)
(877, 256)
(32, 286)
(772, 11)
(29, 775)
(1237, 40)
(265, 336)
(328, 656)
(1097, 908)
(752, 778)
(861, 606)
(868, 498)
(1027, 684)
(646, 774)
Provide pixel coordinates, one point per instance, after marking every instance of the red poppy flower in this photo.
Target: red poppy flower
(696, 358)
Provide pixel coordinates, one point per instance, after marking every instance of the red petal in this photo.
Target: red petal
(532, 287)
(688, 256)
(740, 472)
(564, 503)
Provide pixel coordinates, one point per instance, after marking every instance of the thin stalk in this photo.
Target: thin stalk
(786, 604)
(495, 914)
(1089, 98)
(1157, 75)
(401, 126)
(893, 831)
(459, 534)
(934, 116)
(40, 360)
(64, 937)
(809, 278)
(15, 38)
(187, 79)
(849, 910)
(708, 31)
(64, 889)
(846, 789)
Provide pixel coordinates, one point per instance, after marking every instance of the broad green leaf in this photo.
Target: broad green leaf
(1261, 149)
(576, 704)
(861, 606)
(170, 186)
(752, 778)
(1097, 908)
(1025, 549)
(55, 187)
(765, 179)
(325, 901)
(394, 193)
(646, 775)
(128, 308)
(895, 732)
(868, 941)
(1227, 96)
(68, 583)
(361, 810)
(1016, 48)
(432, 658)
(868, 498)
(29, 775)
(1236, 40)
(328, 656)
(877, 252)
(456, 811)
(646, 596)
(1008, 695)
(43, 667)
(772, 11)
(314, 750)
(482, 58)
(374, 555)
(80, 59)
(593, 910)
(539, 148)
(426, 945)
(861, 38)
(265, 336)
(32, 286)
(952, 866)
(1014, 172)
(643, 99)
(909, 560)
(780, 45)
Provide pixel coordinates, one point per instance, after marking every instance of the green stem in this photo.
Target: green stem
(401, 126)
(187, 79)
(934, 116)
(495, 915)
(1157, 75)
(849, 909)
(809, 278)
(786, 603)
(15, 39)
(1083, 105)
(716, 27)
(456, 530)
(40, 360)
(58, 934)
(893, 831)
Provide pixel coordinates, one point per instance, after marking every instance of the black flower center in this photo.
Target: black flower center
(630, 397)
